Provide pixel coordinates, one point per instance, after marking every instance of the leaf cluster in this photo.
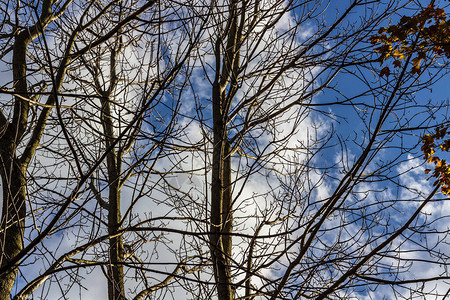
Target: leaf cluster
(418, 36)
(441, 169)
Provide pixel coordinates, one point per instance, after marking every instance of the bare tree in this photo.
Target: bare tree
(102, 132)
(23, 28)
(17, 131)
(118, 88)
(263, 77)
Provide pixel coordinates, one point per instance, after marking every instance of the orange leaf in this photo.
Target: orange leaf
(415, 70)
(398, 54)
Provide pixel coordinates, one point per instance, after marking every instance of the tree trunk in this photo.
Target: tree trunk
(221, 198)
(13, 172)
(116, 289)
(13, 217)
(221, 226)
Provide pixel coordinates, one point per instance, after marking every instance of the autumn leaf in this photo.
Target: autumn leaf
(385, 71)
(425, 34)
(422, 36)
(399, 55)
(415, 70)
(441, 171)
